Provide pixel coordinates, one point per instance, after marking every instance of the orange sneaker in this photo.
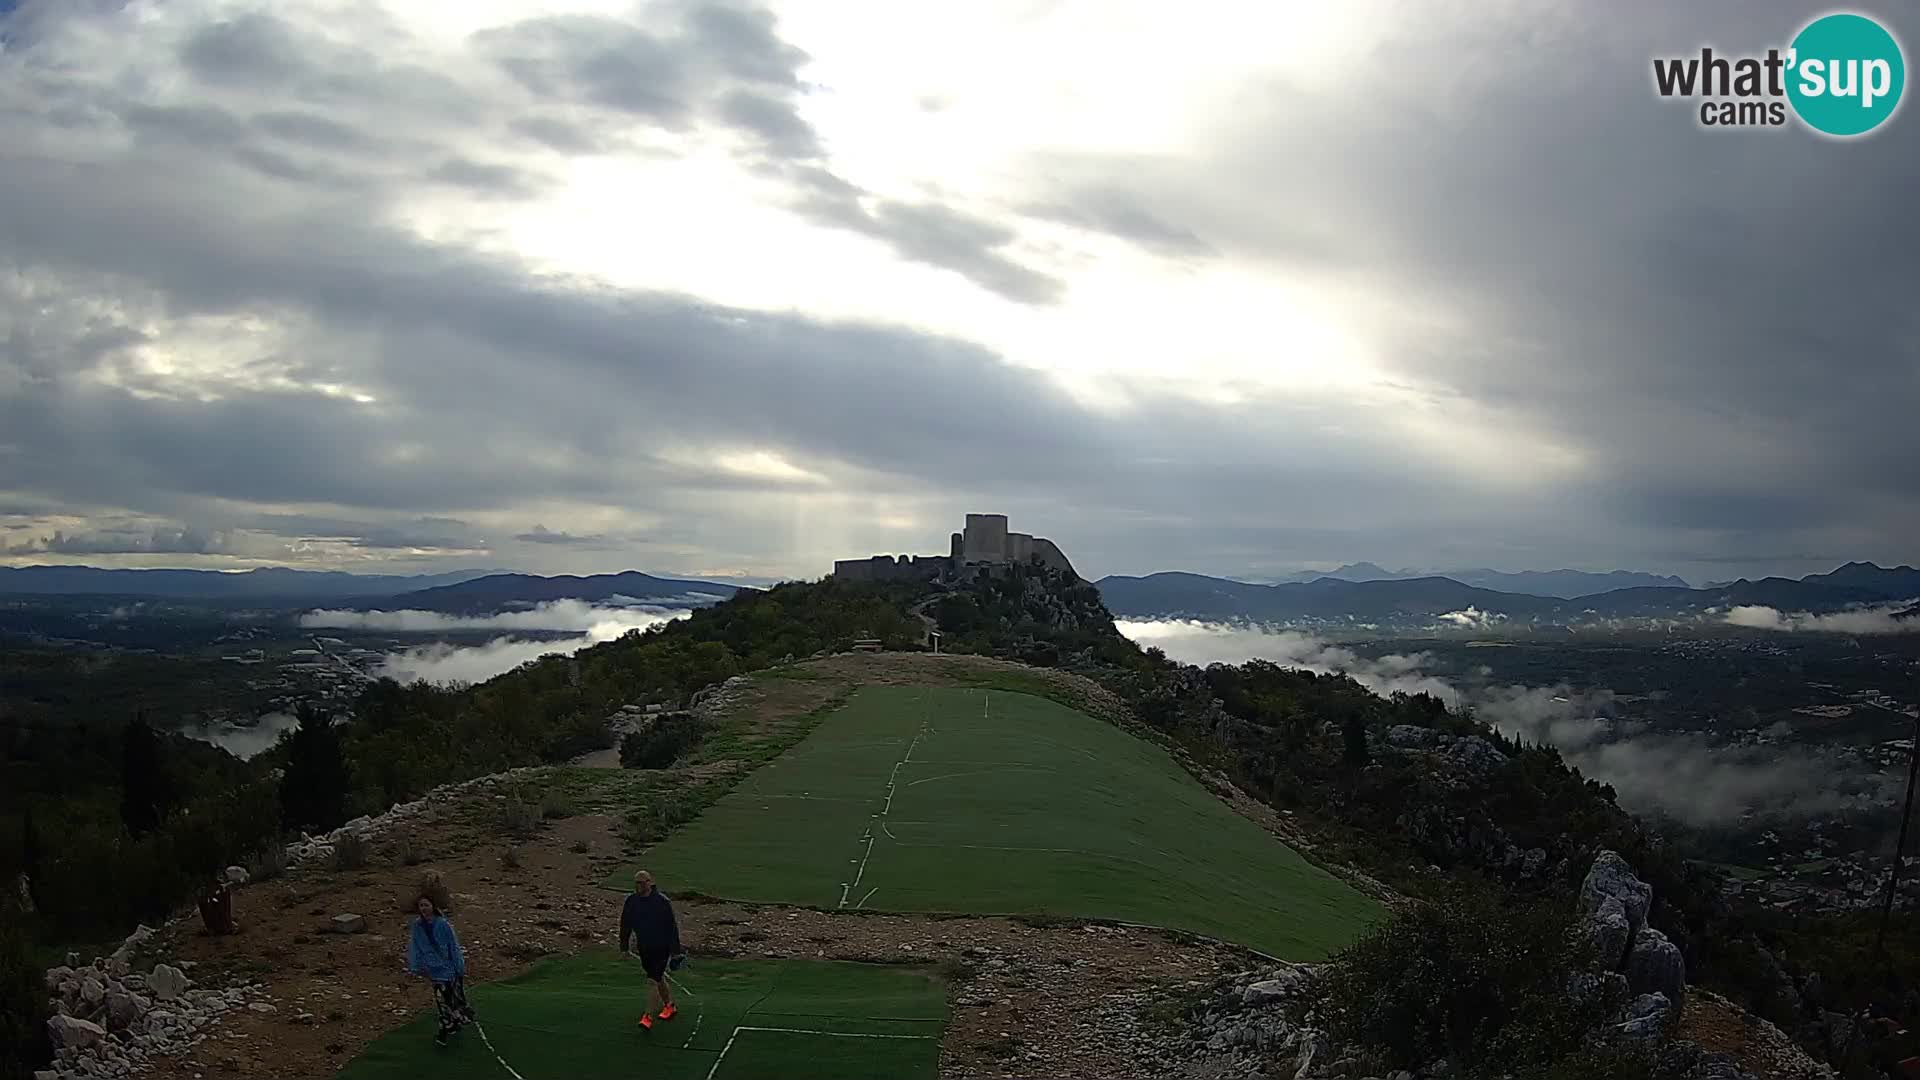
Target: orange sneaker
(646, 1021)
(667, 1013)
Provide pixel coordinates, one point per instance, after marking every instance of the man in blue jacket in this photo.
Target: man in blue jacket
(647, 917)
(433, 950)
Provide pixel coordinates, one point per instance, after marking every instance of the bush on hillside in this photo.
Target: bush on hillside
(658, 747)
(1466, 979)
(23, 998)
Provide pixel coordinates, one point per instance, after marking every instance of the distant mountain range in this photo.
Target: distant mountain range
(497, 591)
(264, 583)
(1434, 598)
(1565, 584)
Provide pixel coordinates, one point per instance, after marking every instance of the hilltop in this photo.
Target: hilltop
(1398, 797)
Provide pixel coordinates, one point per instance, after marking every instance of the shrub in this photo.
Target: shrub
(434, 888)
(518, 817)
(269, 863)
(555, 803)
(658, 747)
(23, 998)
(1465, 979)
(349, 852)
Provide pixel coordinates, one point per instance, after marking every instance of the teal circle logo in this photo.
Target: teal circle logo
(1845, 74)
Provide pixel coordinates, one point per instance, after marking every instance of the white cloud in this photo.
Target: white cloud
(441, 662)
(1875, 619)
(1680, 775)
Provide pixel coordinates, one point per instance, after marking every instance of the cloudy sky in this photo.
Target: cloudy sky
(587, 285)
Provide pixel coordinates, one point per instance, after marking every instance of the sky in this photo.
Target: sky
(576, 286)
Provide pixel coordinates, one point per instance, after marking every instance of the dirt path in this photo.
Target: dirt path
(1045, 1000)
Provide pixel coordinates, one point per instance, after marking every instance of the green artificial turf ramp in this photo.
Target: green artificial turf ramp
(990, 802)
(573, 1019)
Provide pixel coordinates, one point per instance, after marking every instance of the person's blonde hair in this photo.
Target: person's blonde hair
(642, 875)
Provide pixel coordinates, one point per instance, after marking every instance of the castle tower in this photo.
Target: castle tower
(986, 538)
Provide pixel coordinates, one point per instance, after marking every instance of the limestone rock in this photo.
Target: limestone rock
(92, 990)
(1413, 737)
(1611, 876)
(168, 982)
(1609, 931)
(237, 876)
(347, 923)
(1654, 965)
(1644, 1017)
(124, 1010)
(68, 1031)
(1477, 754)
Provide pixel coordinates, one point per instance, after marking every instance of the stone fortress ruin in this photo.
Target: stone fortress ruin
(985, 547)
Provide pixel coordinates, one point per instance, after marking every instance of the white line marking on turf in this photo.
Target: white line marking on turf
(511, 1071)
(869, 896)
(978, 772)
(697, 1017)
(711, 1073)
(835, 1034)
(893, 779)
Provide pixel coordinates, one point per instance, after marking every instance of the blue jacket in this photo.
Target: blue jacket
(650, 920)
(433, 950)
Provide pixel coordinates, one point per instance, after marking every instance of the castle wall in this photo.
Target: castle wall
(888, 568)
(985, 547)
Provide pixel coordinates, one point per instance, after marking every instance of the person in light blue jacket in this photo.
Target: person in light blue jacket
(433, 950)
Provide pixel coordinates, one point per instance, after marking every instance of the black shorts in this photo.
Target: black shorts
(655, 961)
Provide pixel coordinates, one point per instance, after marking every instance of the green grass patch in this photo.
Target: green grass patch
(573, 1019)
(992, 802)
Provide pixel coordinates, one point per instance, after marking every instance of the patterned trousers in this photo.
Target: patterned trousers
(450, 999)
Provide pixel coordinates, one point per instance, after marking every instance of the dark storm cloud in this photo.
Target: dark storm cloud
(1717, 331)
(1721, 321)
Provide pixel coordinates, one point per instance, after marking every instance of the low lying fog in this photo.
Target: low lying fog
(440, 662)
(1681, 775)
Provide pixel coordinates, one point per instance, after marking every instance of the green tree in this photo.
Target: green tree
(313, 791)
(146, 793)
(1353, 729)
(23, 998)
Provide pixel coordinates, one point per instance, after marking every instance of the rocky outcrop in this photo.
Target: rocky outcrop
(1655, 966)
(311, 848)
(1613, 918)
(1611, 876)
(111, 1021)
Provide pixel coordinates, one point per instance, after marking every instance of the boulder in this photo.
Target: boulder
(1654, 965)
(92, 990)
(124, 1010)
(168, 982)
(1413, 737)
(237, 876)
(56, 976)
(1611, 876)
(349, 923)
(1609, 931)
(1644, 1017)
(68, 1031)
(1477, 754)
